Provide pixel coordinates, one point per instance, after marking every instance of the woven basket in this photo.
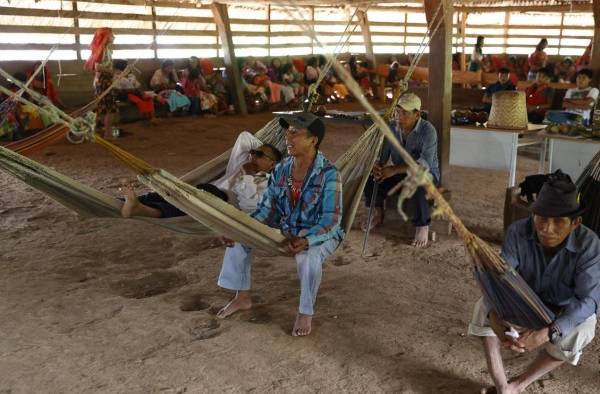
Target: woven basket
(509, 111)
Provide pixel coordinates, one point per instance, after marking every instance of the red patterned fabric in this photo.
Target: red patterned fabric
(97, 46)
(206, 66)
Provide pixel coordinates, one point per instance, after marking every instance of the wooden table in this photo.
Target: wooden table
(570, 154)
(493, 149)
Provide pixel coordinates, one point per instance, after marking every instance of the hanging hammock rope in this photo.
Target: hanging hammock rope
(486, 261)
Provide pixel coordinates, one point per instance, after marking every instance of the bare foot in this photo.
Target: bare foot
(241, 302)
(302, 326)
(376, 220)
(511, 388)
(131, 201)
(421, 237)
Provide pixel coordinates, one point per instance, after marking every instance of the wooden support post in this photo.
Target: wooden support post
(154, 43)
(366, 32)
(595, 60)
(463, 38)
(233, 72)
(506, 24)
(76, 29)
(440, 79)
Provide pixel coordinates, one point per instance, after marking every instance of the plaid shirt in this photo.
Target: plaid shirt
(318, 213)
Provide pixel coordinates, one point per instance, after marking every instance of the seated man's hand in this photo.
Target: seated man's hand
(500, 327)
(532, 339)
(384, 173)
(297, 244)
(226, 241)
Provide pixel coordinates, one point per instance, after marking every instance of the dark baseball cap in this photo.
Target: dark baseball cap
(304, 120)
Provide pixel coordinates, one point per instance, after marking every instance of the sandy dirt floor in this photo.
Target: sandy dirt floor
(118, 306)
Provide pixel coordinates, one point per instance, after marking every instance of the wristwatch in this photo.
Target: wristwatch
(554, 334)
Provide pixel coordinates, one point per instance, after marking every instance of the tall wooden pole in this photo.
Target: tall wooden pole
(154, 43)
(76, 26)
(233, 72)
(440, 79)
(595, 61)
(366, 32)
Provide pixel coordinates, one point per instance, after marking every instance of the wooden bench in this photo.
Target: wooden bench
(466, 78)
(515, 207)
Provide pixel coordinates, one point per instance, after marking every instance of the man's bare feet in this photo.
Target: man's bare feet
(131, 201)
(510, 389)
(302, 326)
(421, 237)
(376, 220)
(241, 302)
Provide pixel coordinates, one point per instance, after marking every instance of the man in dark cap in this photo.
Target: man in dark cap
(559, 258)
(303, 200)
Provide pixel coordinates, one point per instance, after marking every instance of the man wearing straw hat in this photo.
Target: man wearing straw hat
(419, 138)
(559, 258)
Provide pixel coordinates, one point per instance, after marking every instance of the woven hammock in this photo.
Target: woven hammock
(588, 185)
(206, 212)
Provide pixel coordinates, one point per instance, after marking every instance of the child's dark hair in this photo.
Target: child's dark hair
(586, 71)
(120, 64)
(276, 153)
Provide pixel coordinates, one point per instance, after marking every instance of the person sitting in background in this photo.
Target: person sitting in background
(564, 71)
(539, 96)
(17, 118)
(311, 71)
(582, 99)
(275, 74)
(578, 101)
(255, 72)
(394, 73)
(195, 89)
(165, 78)
(360, 73)
(166, 83)
(243, 184)
(503, 83)
(291, 77)
(537, 60)
(44, 85)
(217, 86)
(128, 88)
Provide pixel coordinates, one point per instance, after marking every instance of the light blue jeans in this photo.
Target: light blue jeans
(237, 263)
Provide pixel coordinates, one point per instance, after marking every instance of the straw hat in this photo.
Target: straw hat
(509, 111)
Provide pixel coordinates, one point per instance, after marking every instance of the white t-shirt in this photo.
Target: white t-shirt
(244, 191)
(576, 93)
(248, 190)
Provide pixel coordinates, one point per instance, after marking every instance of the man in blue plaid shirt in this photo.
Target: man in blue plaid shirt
(303, 200)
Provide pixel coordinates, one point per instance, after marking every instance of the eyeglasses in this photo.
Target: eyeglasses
(259, 154)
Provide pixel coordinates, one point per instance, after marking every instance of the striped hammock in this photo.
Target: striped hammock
(207, 213)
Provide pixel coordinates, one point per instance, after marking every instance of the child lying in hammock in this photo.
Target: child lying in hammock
(243, 184)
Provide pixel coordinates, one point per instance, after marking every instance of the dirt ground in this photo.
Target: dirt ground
(117, 306)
